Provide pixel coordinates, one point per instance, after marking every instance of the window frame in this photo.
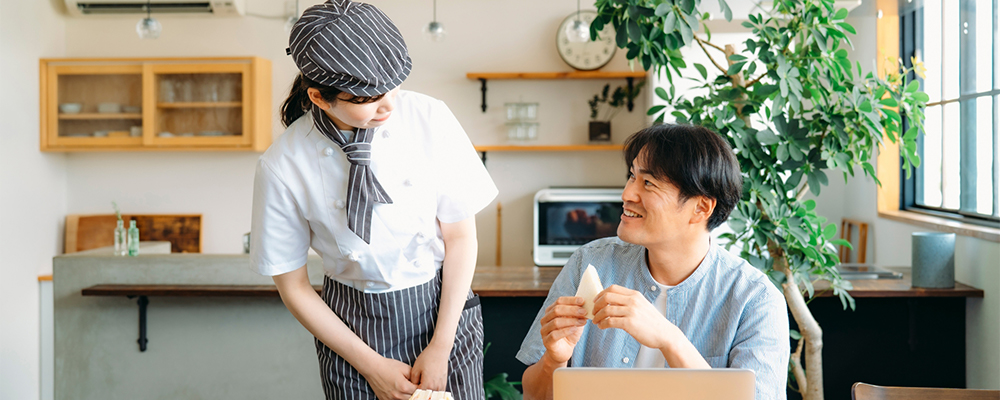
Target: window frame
(910, 26)
(888, 161)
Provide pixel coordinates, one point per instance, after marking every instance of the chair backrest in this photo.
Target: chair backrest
(847, 227)
(85, 232)
(864, 391)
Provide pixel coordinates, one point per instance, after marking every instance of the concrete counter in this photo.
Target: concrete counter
(199, 348)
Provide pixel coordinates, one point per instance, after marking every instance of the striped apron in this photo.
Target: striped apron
(399, 325)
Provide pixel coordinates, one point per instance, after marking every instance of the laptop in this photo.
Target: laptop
(657, 383)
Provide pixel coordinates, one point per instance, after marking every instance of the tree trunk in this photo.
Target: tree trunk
(810, 378)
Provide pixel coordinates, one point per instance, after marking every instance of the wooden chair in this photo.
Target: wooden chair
(85, 232)
(864, 391)
(846, 228)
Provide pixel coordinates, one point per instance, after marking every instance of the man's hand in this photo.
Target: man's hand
(562, 326)
(390, 379)
(430, 370)
(628, 310)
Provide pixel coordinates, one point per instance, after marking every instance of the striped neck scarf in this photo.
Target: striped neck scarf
(363, 189)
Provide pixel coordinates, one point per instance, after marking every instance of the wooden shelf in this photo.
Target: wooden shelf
(204, 104)
(557, 75)
(629, 76)
(99, 116)
(581, 147)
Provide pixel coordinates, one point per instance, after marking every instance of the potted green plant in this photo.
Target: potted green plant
(793, 107)
(607, 107)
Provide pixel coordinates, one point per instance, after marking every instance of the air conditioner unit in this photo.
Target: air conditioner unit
(224, 8)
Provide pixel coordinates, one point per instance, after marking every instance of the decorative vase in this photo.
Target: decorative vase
(933, 260)
(600, 131)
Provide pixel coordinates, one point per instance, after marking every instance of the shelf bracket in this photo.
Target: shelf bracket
(482, 156)
(483, 81)
(143, 302)
(631, 85)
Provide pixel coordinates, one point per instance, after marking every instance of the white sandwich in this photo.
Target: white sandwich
(590, 287)
(424, 394)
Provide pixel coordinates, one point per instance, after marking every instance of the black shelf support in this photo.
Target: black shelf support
(143, 302)
(483, 81)
(631, 86)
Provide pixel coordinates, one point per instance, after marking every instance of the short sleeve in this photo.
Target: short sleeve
(761, 343)
(464, 185)
(279, 234)
(565, 284)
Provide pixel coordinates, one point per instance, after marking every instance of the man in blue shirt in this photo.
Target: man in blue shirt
(672, 297)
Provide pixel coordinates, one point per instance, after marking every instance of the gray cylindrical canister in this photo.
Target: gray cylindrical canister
(933, 260)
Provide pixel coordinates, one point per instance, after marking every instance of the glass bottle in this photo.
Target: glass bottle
(121, 239)
(133, 239)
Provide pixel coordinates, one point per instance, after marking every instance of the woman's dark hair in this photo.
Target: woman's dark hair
(298, 101)
(696, 160)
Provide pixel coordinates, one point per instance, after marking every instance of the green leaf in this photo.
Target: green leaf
(842, 53)
(669, 22)
(829, 231)
(725, 10)
(737, 57)
(621, 37)
(661, 93)
(841, 14)
(810, 204)
(655, 109)
(912, 87)
(865, 106)
(767, 137)
(782, 152)
(634, 32)
(921, 97)
(794, 334)
(842, 242)
(813, 183)
(735, 68)
(889, 102)
(687, 6)
(663, 9)
(701, 70)
(686, 32)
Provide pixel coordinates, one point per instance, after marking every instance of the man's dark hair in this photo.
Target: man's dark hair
(696, 160)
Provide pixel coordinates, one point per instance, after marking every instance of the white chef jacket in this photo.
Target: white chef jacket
(424, 161)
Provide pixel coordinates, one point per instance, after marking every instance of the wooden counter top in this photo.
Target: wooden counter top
(522, 281)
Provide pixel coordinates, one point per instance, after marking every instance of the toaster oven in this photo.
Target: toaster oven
(566, 218)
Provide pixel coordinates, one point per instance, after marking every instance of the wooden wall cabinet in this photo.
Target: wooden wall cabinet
(158, 104)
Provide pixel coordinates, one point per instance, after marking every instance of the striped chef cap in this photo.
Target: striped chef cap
(353, 47)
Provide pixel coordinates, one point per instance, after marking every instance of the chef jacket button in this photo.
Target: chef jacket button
(625, 360)
(421, 235)
(339, 204)
(354, 257)
(407, 182)
(328, 151)
(370, 284)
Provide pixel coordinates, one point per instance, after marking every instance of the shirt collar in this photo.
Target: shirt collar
(699, 273)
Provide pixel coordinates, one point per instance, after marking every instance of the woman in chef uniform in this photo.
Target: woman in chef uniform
(384, 185)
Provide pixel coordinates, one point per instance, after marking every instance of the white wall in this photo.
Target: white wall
(32, 190)
(483, 36)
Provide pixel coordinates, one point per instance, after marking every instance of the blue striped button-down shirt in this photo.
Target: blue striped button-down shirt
(728, 309)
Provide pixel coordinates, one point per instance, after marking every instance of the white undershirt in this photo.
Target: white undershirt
(648, 357)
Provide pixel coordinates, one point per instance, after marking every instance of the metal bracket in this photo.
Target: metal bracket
(483, 81)
(482, 156)
(143, 302)
(631, 86)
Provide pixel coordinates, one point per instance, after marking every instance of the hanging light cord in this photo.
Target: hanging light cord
(436, 11)
(577, 10)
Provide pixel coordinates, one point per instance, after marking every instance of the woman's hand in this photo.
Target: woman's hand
(430, 370)
(390, 379)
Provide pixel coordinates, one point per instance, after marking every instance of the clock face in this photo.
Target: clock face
(589, 55)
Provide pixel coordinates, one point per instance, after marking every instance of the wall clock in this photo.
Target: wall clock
(589, 55)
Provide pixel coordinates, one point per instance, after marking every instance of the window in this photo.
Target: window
(957, 41)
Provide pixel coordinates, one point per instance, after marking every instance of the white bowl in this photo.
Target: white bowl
(70, 108)
(110, 108)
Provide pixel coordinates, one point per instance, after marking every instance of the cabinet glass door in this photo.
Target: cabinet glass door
(199, 105)
(94, 106)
